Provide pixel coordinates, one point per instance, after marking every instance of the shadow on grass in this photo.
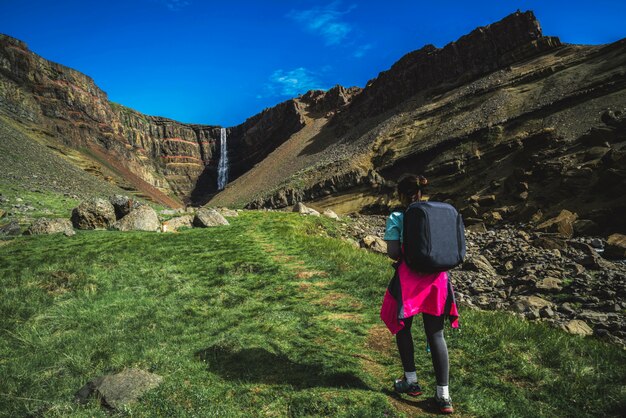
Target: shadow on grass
(262, 366)
(424, 403)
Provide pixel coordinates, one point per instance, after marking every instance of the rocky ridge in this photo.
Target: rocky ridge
(160, 157)
(544, 131)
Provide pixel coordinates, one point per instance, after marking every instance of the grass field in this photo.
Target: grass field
(270, 316)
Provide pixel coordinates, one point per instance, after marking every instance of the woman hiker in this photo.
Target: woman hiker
(410, 293)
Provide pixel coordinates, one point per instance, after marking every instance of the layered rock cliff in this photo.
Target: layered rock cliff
(500, 110)
(163, 158)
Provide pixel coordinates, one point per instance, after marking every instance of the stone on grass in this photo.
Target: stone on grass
(530, 303)
(143, 218)
(44, 226)
(10, 229)
(304, 210)
(330, 214)
(375, 244)
(123, 205)
(228, 213)
(578, 327)
(93, 214)
(118, 390)
(175, 224)
(208, 217)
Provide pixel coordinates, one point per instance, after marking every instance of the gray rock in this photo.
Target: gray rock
(549, 284)
(228, 213)
(480, 264)
(175, 223)
(208, 217)
(44, 226)
(597, 243)
(330, 214)
(304, 210)
(523, 303)
(93, 214)
(123, 205)
(10, 229)
(117, 390)
(375, 244)
(577, 327)
(546, 312)
(143, 218)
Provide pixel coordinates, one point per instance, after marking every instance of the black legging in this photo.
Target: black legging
(433, 326)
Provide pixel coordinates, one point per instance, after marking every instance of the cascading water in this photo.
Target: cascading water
(222, 166)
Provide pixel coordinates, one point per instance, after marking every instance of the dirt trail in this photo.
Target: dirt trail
(280, 164)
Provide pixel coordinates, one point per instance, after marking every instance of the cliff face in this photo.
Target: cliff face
(503, 112)
(513, 39)
(163, 157)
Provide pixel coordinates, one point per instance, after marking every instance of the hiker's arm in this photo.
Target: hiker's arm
(393, 249)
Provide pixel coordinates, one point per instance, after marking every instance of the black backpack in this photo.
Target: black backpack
(434, 237)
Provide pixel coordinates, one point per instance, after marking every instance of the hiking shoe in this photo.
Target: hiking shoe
(411, 389)
(444, 404)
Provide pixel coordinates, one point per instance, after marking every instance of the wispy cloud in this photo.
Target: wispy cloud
(361, 50)
(176, 5)
(326, 21)
(291, 83)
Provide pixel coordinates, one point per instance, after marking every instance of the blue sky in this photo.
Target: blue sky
(219, 62)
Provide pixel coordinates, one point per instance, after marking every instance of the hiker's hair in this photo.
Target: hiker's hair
(410, 184)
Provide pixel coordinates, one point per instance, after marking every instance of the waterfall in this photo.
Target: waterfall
(222, 167)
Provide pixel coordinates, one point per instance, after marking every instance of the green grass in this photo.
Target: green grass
(266, 317)
(46, 203)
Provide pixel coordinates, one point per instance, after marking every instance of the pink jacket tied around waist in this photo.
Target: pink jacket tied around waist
(410, 293)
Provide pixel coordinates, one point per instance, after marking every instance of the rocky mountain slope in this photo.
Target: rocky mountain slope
(506, 122)
(168, 161)
(503, 118)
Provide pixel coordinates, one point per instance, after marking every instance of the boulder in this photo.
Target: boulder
(175, 223)
(93, 214)
(118, 390)
(375, 244)
(616, 247)
(330, 214)
(143, 218)
(43, 226)
(550, 242)
(10, 229)
(577, 327)
(549, 284)
(480, 264)
(530, 303)
(585, 227)
(477, 227)
(492, 217)
(122, 205)
(563, 224)
(208, 217)
(228, 213)
(304, 210)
